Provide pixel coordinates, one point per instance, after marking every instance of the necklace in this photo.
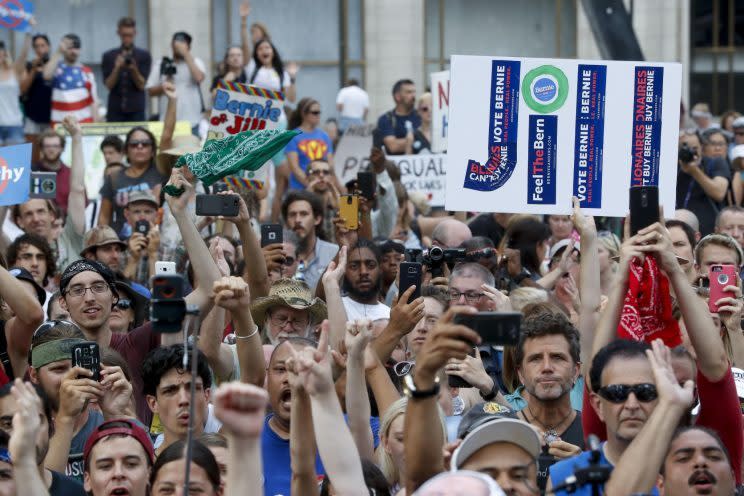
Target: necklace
(550, 432)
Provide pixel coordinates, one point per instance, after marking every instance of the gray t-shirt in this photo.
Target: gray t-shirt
(75, 463)
(117, 187)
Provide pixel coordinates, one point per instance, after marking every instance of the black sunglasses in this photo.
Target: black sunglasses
(137, 143)
(50, 324)
(618, 393)
(124, 304)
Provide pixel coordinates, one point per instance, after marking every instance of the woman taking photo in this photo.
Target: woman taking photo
(11, 117)
(231, 69)
(525, 246)
(311, 145)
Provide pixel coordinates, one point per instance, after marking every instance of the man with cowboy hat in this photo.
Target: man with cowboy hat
(290, 310)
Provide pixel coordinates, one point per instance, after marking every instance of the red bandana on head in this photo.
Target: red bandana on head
(647, 309)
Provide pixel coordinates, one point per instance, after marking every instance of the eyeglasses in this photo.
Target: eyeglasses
(124, 304)
(618, 393)
(717, 143)
(139, 143)
(95, 288)
(320, 172)
(470, 296)
(49, 325)
(403, 368)
(282, 320)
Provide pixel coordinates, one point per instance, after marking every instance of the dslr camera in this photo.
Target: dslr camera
(686, 154)
(168, 67)
(435, 258)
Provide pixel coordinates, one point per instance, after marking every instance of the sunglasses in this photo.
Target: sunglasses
(124, 304)
(618, 393)
(49, 325)
(403, 368)
(139, 143)
(314, 112)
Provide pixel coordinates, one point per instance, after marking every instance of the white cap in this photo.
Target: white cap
(738, 122)
(737, 152)
(499, 430)
(558, 245)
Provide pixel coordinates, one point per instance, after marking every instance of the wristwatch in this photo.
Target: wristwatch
(412, 392)
(523, 274)
(491, 394)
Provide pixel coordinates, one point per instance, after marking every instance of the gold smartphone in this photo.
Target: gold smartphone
(348, 210)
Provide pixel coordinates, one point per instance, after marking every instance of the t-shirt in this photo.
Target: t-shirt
(309, 146)
(73, 92)
(267, 77)
(65, 486)
(63, 183)
(190, 101)
(37, 102)
(355, 101)
(117, 187)
(392, 124)
(68, 246)
(277, 463)
(75, 463)
(690, 194)
(356, 310)
(485, 225)
(134, 346)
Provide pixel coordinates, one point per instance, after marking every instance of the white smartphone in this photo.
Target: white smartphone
(164, 268)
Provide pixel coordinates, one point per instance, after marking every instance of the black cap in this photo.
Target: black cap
(480, 414)
(23, 275)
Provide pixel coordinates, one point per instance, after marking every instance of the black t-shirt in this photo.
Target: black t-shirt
(65, 486)
(690, 194)
(574, 434)
(37, 101)
(485, 225)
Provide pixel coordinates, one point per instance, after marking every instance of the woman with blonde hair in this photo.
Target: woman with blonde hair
(608, 251)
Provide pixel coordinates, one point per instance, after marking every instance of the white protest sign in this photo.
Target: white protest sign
(423, 173)
(238, 107)
(554, 128)
(440, 89)
(352, 152)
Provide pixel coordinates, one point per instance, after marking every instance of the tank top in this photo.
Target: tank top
(10, 109)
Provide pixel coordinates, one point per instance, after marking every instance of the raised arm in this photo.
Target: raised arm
(51, 65)
(169, 122)
(76, 200)
(245, 36)
(19, 65)
(22, 443)
(358, 336)
(336, 311)
(302, 446)
(19, 329)
(210, 342)
(403, 318)
(589, 288)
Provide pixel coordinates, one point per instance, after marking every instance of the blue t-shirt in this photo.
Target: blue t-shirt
(309, 146)
(277, 463)
(560, 471)
(392, 124)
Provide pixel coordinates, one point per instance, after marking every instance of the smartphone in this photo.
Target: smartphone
(348, 210)
(367, 184)
(87, 356)
(217, 205)
(271, 234)
(494, 328)
(43, 185)
(162, 267)
(644, 207)
(167, 307)
(167, 287)
(142, 227)
(719, 277)
(409, 275)
(456, 380)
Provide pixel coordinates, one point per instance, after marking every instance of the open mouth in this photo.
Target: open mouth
(285, 399)
(119, 491)
(702, 480)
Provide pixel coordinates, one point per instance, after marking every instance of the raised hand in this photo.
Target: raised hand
(179, 181)
(655, 240)
(358, 336)
(231, 293)
(335, 271)
(245, 9)
(241, 408)
(76, 392)
(730, 308)
(117, 391)
(446, 340)
(500, 301)
(218, 255)
(72, 126)
(26, 422)
(584, 224)
(404, 315)
(313, 366)
(243, 214)
(153, 241)
(667, 386)
(170, 91)
(472, 370)
(274, 256)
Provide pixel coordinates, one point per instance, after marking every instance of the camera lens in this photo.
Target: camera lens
(722, 278)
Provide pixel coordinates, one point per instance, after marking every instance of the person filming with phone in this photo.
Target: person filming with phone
(702, 181)
(142, 247)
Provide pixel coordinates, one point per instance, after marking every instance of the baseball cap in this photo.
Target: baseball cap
(122, 426)
(142, 196)
(737, 151)
(23, 275)
(561, 245)
(100, 236)
(738, 123)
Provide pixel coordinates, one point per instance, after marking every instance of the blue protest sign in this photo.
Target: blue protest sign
(15, 14)
(15, 174)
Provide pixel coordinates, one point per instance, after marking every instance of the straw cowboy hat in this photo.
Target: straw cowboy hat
(181, 146)
(289, 293)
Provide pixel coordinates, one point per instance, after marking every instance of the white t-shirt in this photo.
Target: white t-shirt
(356, 310)
(189, 106)
(355, 101)
(267, 78)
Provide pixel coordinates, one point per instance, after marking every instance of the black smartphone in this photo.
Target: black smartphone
(367, 184)
(409, 274)
(494, 328)
(142, 227)
(456, 380)
(43, 185)
(271, 234)
(644, 207)
(217, 205)
(87, 356)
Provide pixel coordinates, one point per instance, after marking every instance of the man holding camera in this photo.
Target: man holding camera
(125, 71)
(141, 215)
(186, 72)
(702, 182)
(73, 84)
(36, 94)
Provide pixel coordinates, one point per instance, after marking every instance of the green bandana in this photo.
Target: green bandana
(53, 351)
(248, 150)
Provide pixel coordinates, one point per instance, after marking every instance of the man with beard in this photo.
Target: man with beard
(395, 128)
(363, 282)
(51, 145)
(547, 357)
(303, 214)
(56, 483)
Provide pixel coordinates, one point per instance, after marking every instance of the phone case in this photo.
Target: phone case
(409, 275)
(367, 183)
(495, 328)
(162, 267)
(271, 234)
(719, 277)
(87, 356)
(644, 207)
(348, 210)
(142, 227)
(216, 205)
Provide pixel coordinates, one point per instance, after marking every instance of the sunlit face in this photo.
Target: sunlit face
(732, 223)
(36, 217)
(433, 311)
(312, 114)
(714, 254)
(285, 322)
(424, 108)
(509, 465)
(320, 171)
(49, 377)
(680, 244)
(122, 316)
(110, 255)
(265, 53)
(139, 148)
(290, 263)
(470, 293)
(170, 480)
(300, 219)
(604, 258)
(172, 401)
(71, 54)
(280, 393)
(117, 465)
(362, 273)
(561, 226)
(696, 464)
(33, 260)
(390, 266)
(91, 310)
(406, 96)
(548, 371)
(141, 210)
(392, 442)
(56, 312)
(234, 58)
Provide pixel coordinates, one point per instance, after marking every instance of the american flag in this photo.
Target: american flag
(73, 92)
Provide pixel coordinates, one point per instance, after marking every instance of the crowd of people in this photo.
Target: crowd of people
(308, 367)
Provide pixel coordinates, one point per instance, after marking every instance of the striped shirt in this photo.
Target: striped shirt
(73, 93)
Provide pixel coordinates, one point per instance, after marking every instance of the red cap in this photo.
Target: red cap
(123, 426)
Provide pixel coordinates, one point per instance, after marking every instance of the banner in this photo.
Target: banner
(440, 89)
(238, 107)
(423, 173)
(555, 128)
(15, 14)
(15, 174)
(352, 152)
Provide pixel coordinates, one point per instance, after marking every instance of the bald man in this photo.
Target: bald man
(450, 233)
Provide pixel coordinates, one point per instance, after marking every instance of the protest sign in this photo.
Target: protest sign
(15, 174)
(440, 88)
(15, 14)
(423, 173)
(352, 152)
(238, 107)
(555, 128)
